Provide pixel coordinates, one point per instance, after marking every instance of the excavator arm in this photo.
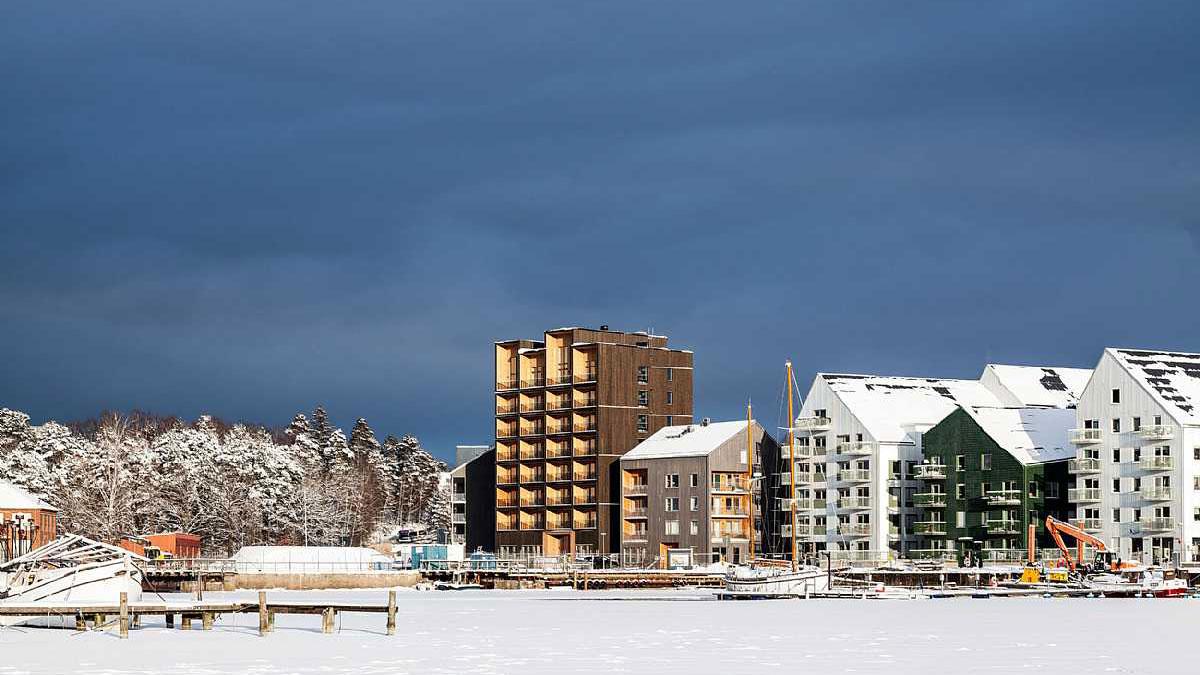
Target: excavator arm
(1058, 528)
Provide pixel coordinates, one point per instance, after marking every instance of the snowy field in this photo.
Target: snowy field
(534, 632)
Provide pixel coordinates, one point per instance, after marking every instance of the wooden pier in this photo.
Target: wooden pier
(185, 614)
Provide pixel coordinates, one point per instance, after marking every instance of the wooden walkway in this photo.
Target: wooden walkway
(129, 614)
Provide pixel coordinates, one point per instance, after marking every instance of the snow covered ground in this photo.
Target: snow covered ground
(534, 632)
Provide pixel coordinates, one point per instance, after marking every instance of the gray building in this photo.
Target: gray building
(688, 488)
(473, 498)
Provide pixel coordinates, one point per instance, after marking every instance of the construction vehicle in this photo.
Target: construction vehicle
(1104, 560)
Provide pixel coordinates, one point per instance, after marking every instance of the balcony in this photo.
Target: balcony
(637, 512)
(506, 525)
(507, 385)
(506, 479)
(506, 503)
(584, 475)
(536, 430)
(810, 504)
(506, 432)
(554, 499)
(635, 488)
(734, 512)
(458, 518)
(1090, 524)
(554, 429)
(533, 477)
(1004, 554)
(802, 530)
(1083, 495)
(533, 383)
(854, 529)
(506, 455)
(854, 475)
(853, 503)
(585, 402)
(585, 524)
(585, 427)
(1003, 497)
(929, 472)
(585, 377)
(932, 553)
(588, 450)
(532, 502)
(506, 409)
(533, 453)
(558, 477)
(563, 377)
(1083, 465)
(1086, 436)
(636, 535)
(1157, 463)
(812, 424)
(564, 404)
(1162, 524)
(560, 524)
(930, 528)
(559, 452)
(533, 407)
(855, 448)
(1157, 494)
(930, 500)
(585, 498)
(1002, 526)
(729, 485)
(1157, 432)
(535, 524)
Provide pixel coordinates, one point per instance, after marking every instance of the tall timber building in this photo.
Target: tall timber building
(858, 447)
(1137, 468)
(568, 407)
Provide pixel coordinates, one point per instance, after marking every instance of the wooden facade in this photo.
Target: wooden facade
(567, 408)
(26, 522)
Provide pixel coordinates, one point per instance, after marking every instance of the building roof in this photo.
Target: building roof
(1043, 386)
(1031, 435)
(686, 440)
(1172, 378)
(13, 497)
(890, 407)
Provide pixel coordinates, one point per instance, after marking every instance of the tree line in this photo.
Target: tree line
(233, 484)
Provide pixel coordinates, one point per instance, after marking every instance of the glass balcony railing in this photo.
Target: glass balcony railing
(1157, 463)
(1083, 465)
(929, 472)
(1086, 436)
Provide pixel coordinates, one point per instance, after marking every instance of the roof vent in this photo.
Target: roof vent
(603, 326)
(704, 421)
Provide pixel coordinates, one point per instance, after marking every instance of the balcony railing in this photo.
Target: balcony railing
(1002, 526)
(803, 530)
(932, 553)
(506, 409)
(1003, 497)
(564, 524)
(734, 512)
(1083, 495)
(506, 432)
(532, 501)
(533, 524)
(1157, 432)
(1083, 465)
(586, 376)
(929, 472)
(535, 406)
(812, 423)
(854, 475)
(585, 475)
(1090, 524)
(585, 427)
(855, 448)
(931, 528)
(729, 485)
(533, 453)
(506, 385)
(1157, 463)
(506, 456)
(558, 500)
(558, 452)
(930, 500)
(558, 477)
(506, 503)
(585, 524)
(1157, 524)
(533, 431)
(564, 404)
(535, 477)
(854, 503)
(802, 451)
(636, 535)
(533, 383)
(635, 488)
(506, 479)
(854, 529)
(585, 403)
(585, 498)
(806, 504)
(1157, 494)
(1086, 436)
(559, 379)
(558, 428)
(636, 512)
(589, 450)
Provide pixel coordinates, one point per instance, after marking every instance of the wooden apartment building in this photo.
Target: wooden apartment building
(568, 407)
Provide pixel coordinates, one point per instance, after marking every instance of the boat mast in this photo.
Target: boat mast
(750, 472)
(792, 462)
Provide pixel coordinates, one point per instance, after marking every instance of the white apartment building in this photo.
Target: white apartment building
(858, 443)
(1137, 467)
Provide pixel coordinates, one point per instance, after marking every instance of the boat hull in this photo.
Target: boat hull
(770, 582)
(95, 583)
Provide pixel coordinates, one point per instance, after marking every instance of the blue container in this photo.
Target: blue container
(482, 560)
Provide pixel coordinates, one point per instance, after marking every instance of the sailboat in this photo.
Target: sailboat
(71, 569)
(765, 578)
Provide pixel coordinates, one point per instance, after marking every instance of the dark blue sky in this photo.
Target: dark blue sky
(250, 208)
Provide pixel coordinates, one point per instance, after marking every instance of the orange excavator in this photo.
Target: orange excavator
(1105, 560)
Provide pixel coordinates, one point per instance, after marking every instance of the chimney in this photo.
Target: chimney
(704, 421)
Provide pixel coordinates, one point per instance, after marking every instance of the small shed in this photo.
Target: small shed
(26, 521)
(309, 559)
(177, 544)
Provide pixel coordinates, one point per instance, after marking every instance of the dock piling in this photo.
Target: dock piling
(263, 626)
(327, 620)
(124, 613)
(391, 613)
(206, 620)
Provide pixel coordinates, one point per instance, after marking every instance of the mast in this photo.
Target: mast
(792, 461)
(750, 472)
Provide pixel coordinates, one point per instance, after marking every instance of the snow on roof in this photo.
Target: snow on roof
(13, 497)
(1054, 387)
(1032, 435)
(1172, 378)
(686, 440)
(890, 407)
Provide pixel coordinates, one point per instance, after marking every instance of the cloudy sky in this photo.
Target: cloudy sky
(250, 208)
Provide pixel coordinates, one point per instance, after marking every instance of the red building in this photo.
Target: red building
(177, 544)
(26, 522)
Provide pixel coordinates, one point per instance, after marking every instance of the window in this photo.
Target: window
(670, 374)
(670, 397)
(1033, 491)
(671, 504)
(1157, 420)
(643, 374)
(960, 491)
(1137, 454)
(1137, 424)
(643, 398)
(1052, 490)
(960, 519)
(671, 480)
(1116, 485)
(960, 462)
(1196, 514)
(1091, 424)
(694, 528)
(1116, 395)
(694, 480)
(1196, 453)
(643, 423)
(1116, 455)
(1116, 425)
(694, 503)
(669, 420)
(1196, 482)
(1116, 514)
(671, 527)
(985, 462)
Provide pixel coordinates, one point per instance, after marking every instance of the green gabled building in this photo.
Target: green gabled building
(989, 473)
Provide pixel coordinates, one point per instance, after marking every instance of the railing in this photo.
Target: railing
(854, 475)
(585, 475)
(585, 498)
(932, 553)
(635, 488)
(729, 484)
(812, 423)
(855, 448)
(802, 451)
(588, 524)
(803, 530)
(506, 456)
(538, 524)
(505, 385)
(735, 512)
(585, 427)
(586, 451)
(506, 432)
(1157, 494)
(506, 479)
(636, 535)
(506, 409)
(536, 406)
(1083, 495)
(807, 504)
(930, 499)
(1157, 432)
(533, 453)
(588, 376)
(559, 428)
(1157, 463)
(854, 503)
(506, 526)
(1157, 524)
(560, 378)
(559, 405)
(532, 502)
(1003, 497)
(930, 528)
(854, 529)
(1090, 524)
(533, 383)
(558, 452)
(558, 477)
(558, 500)
(534, 477)
(506, 503)
(929, 472)
(859, 556)
(1004, 554)
(1086, 436)
(533, 431)
(564, 524)
(585, 403)
(639, 512)
(1002, 526)
(1083, 465)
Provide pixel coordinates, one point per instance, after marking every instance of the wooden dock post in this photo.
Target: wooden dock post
(169, 617)
(206, 620)
(185, 622)
(391, 620)
(271, 621)
(124, 622)
(80, 622)
(263, 627)
(327, 620)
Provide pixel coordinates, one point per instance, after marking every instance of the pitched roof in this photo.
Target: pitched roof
(686, 440)
(890, 407)
(1172, 378)
(13, 497)
(1031, 435)
(1045, 386)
